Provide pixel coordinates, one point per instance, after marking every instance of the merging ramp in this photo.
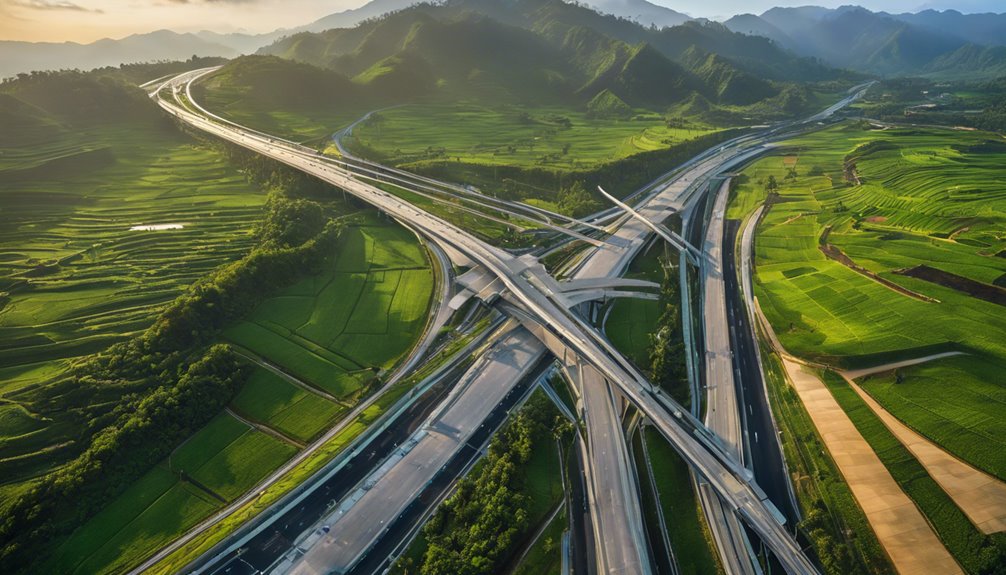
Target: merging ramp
(524, 288)
(360, 520)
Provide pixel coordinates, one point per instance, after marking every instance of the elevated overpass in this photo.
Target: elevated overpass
(527, 288)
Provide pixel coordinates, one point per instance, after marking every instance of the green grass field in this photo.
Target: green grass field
(688, 534)
(340, 328)
(631, 322)
(976, 552)
(629, 326)
(545, 556)
(513, 136)
(926, 196)
(231, 99)
(226, 457)
(270, 399)
(956, 402)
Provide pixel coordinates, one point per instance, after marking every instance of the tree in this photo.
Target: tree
(771, 185)
(576, 202)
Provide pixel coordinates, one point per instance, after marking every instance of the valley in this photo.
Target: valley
(505, 286)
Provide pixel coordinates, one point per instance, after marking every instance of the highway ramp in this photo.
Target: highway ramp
(360, 520)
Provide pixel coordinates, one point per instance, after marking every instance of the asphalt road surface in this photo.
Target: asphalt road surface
(357, 523)
(728, 479)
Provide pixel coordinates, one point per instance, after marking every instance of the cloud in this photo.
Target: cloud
(64, 5)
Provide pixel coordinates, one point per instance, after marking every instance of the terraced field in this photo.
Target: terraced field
(511, 136)
(340, 329)
(79, 269)
(100, 229)
(881, 202)
(822, 308)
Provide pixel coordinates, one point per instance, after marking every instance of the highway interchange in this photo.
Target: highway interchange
(605, 377)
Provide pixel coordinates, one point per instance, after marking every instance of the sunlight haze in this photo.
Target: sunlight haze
(89, 20)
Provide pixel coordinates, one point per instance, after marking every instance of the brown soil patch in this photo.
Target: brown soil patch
(980, 496)
(790, 161)
(990, 293)
(877, 219)
(850, 173)
(900, 527)
(833, 253)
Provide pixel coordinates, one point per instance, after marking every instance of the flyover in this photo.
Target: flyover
(524, 288)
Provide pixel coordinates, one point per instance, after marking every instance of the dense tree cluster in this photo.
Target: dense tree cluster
(575, 201)
(290, 222)
(84, 98)
(836, 557)
(667, 345)
(478, 529)
(143, 434)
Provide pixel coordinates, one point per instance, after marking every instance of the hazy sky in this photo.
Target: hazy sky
(88, 20)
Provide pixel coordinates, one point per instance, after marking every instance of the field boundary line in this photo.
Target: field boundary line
(265, 429)
(979, 495)
(277, 370)
(902, 530)
(863, 372)
(900, 526)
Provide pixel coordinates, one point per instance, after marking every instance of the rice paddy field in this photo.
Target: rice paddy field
(100, 228)
(887, 201)
(339, 330)
(825, 310)
(957, 402)
(294, 411)
(511, 136)
(216, 465)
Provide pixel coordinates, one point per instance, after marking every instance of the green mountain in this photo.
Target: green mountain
(945, 44)
(642, 77)
(970, 61)
(82, 99)
(24, 124)
(731, 85)
(546, 51)
(270, 81)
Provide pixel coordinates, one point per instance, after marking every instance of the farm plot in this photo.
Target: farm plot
(824, 310)
(270, 399)
(338, 330)
(512, 136)
(907, 209)
(217, 464)
(959, 403)
(976, 552)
